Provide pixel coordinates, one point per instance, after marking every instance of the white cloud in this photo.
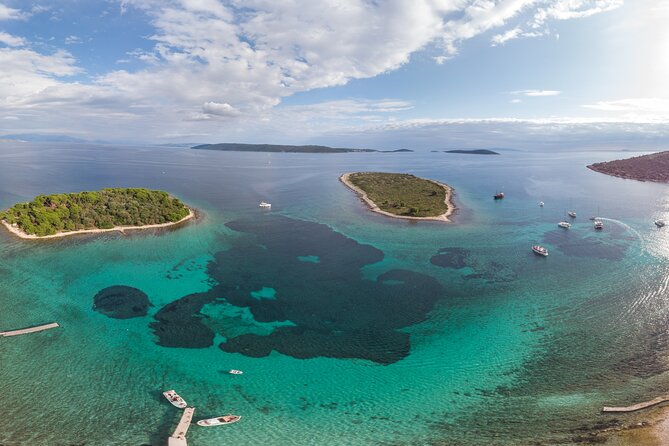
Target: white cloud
(11, 40)
(224, 109)
(635, 109)
(7, 13)
(536, 93)
(73, 40)
(235, 59)
(511, 34)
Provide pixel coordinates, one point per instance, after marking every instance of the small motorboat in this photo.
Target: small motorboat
(599, 224)
(572, 214)
(219, 421)
(498, 195)
(264, 204)
(540, 250)
(593, 218)
(175, 399)
(659, 223)
(541, 204)
(235, 372)
(564, 224)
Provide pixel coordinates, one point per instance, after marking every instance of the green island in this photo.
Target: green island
(98, 211)
(402, 195)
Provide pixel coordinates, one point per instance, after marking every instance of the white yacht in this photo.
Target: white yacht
(541, 204)
(564, 224)
(264, 204)
(599, 224)
(235, 372)
(572, 214)
(219, 421)
(540, 250)
(175, 399)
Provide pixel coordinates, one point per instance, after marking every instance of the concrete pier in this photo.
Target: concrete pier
(638, 406)
(178, 438)
(29, 329)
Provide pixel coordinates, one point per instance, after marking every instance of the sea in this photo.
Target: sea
(351, 328)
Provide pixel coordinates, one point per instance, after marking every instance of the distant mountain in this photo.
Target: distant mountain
(236, 147)
(473, 151)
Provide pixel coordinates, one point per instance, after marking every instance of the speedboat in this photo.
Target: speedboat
(540, 250)
(564, 224)
(541, 204)
(264, 204)
(599, 224)
(659, 223)
(219, 421)
(498, 195)
(572, 214)
(175, 399)
(235, 372)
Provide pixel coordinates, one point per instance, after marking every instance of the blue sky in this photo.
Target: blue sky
(382, 73)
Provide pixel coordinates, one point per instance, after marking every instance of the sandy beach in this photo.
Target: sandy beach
(19, 233)
(373, 206)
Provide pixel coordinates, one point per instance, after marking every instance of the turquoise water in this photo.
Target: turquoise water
(351, 328)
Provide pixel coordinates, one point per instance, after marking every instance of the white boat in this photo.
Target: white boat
(219, 421)
(235, 372)
(175, 399)
(540, 250)
(572, 214)
(541, 204)
(564, 224)
(599, 224)
(264, 204)
(659, 223)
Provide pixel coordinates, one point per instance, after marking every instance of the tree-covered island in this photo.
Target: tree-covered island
(402, 195)
(98, 211)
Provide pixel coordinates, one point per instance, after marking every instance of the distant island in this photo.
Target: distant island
(473, 151)
(652, 167)
(114, 209)
(235, 147)
(402, 195)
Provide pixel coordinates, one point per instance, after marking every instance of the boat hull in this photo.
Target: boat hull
(217, 421)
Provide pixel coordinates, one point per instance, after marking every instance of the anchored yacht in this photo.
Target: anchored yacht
(540, 250)
(219, 421)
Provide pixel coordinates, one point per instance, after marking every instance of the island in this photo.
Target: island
(402, 195)
(651, 167)
(473, 151)
(112, 209)
(235, 147)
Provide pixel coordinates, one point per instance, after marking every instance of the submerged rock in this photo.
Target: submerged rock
(121, 302)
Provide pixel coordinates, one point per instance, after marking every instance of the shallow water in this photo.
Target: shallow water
(351, 328)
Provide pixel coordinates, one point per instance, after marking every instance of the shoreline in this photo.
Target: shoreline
(448, 200)
(19, 233)
(649, 428)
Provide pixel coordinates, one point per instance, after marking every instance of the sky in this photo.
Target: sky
(357, 73)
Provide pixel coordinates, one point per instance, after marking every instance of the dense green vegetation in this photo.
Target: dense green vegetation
(235, 147)
(402, 194)
(104, 209)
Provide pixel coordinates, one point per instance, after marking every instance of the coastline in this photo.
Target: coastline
(650, 428)
(19, 233)
(448, 200)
